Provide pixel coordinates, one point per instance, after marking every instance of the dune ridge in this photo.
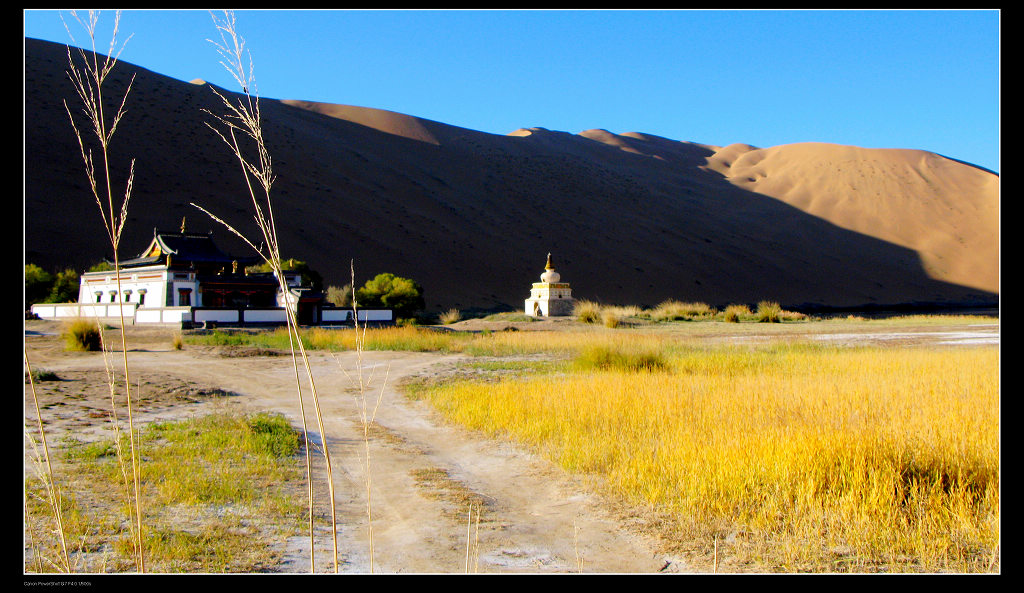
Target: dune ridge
(632, 217)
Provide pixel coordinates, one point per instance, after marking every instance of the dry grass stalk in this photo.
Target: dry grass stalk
(366, 419)
(576, 546)
(469, 525)
(472, 540)
(116, 423)
(52, 492)
(88, 79)
(243, 118)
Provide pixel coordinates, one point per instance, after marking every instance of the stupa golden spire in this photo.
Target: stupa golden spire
(549, 297)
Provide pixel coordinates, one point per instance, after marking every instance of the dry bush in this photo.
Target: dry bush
(769, 312)
(736, 313)
(586, 311)
(450, 316)
(82, 335)
(673, 310)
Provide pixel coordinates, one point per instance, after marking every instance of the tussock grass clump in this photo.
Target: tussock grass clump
(769, 312)
(450, 316)
(673, 310)
(610, 318)
(586, 311)
(82, 335)
(736, 313)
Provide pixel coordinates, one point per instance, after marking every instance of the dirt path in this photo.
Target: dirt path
(535, 518)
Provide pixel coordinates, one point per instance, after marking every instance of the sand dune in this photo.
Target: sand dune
(378, 119)
(940, 208)
(632, 217)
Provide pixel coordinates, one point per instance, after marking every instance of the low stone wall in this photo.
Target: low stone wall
(69, 311)
(182, 316)
(365, 315)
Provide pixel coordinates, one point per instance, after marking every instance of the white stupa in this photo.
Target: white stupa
(549, 297)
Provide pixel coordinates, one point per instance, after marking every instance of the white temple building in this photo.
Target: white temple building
(550, 297)
(184, 279)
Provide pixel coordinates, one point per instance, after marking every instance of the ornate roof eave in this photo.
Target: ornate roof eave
(137, 261)
(163, 244)
(158, 239)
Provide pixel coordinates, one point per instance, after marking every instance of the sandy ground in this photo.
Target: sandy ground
(535, 518)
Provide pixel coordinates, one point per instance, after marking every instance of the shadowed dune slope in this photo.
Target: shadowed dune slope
(629, 218)
(946, 211)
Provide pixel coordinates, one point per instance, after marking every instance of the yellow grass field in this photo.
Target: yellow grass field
(788, 456)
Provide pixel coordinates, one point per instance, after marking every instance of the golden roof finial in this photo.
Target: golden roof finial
(182, 225)
(549, 266)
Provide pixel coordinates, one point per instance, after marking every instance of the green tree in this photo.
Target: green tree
(65, 287)
(340, 297)
(309, 275)
(103, 266)
(38, 284)
(402, 295)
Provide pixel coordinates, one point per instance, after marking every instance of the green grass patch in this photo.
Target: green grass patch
(406, 338)
(532, 366)
(43, 375)
(191, 471)
(75, 450)
(225, 338)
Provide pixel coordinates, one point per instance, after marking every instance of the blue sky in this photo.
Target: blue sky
(881, 79)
